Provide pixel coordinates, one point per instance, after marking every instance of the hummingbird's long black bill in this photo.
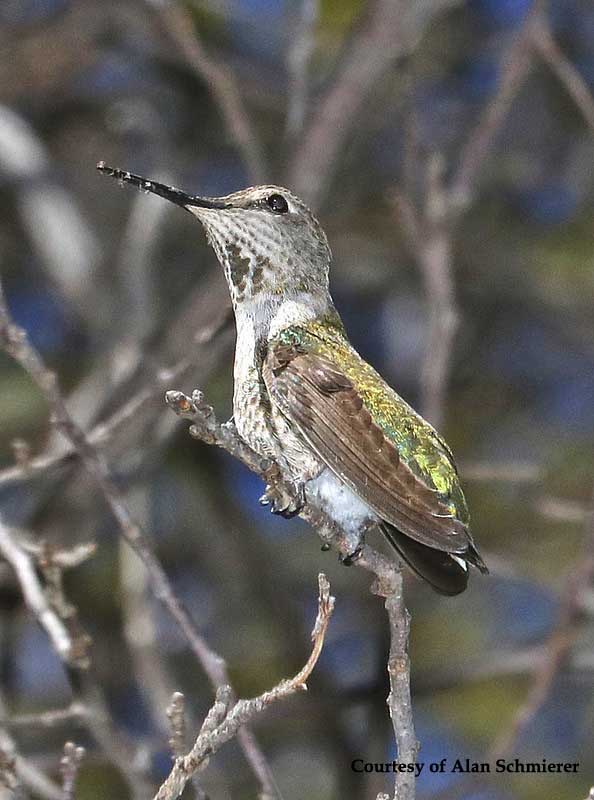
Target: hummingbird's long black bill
(168, 192)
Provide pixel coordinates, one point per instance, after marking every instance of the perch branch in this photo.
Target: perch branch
(388, 580)
(399, 700)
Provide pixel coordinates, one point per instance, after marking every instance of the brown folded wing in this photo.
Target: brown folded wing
(323, 405)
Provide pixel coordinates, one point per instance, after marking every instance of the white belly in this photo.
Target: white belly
(341, 504)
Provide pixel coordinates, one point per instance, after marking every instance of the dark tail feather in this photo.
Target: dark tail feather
(475, 559)
(439, 569)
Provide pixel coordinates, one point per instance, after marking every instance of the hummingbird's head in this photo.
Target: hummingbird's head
(267, 240)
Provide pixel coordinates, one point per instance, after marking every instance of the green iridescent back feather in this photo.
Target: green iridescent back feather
(419, 445)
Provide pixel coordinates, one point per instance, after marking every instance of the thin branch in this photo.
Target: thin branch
(557, 648)
(15, 342)
(27, 467)
(47, 602)
(102, 434)
(399, 700)
(503, 472)
(35, 596)
(561, 510)
(430, 232)
(434, 257)
(515, 67)
(17, 772)
(576, 87)
(59, 620)
(69, 767)
(298, 58)
(225, 718)
(75, 712)
(389, 30)
(221, 82)
(176, 714)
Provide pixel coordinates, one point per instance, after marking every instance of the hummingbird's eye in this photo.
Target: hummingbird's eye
(276, 202)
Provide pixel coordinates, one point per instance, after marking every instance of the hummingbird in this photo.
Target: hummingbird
(305, 400)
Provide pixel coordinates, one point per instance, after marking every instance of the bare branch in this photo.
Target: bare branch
(515, 66)
(218, 710)
(389, 30)
(59, 620)
(561, 510)
(504, 472)
(399, 700)
(75, 712)
(69, 766)
(15, 342)
(435, 262)
(177, 721)
(223, 722)
(577, 88)
(558, 646)
(298, 59)
(101, 434)
(221, 82)
(17, 773)
(35, 596)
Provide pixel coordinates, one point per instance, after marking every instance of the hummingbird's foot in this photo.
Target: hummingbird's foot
(349, 559)
(284, 499)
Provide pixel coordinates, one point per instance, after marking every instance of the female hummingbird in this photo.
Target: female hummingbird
(305, 398)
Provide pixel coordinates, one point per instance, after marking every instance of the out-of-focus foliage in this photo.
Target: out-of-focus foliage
(82, 81)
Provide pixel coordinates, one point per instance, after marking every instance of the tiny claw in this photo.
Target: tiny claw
(350, 558)
(281, 501)
(288, 512)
